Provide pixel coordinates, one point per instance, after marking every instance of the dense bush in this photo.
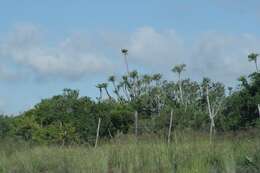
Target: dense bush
(70, 118)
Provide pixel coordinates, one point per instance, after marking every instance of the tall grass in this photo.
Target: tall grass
(188, 154)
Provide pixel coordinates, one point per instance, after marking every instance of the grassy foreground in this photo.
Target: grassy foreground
(187, 154)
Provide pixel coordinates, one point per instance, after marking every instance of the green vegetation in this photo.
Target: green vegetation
(58, 134)
(202, 106)
(190, 153)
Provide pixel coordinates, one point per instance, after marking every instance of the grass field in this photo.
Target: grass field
(190, 153)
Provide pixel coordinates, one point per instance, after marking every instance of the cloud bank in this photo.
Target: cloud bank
(25, 53)
(71, 58)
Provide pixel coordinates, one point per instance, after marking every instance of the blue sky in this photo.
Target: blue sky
(49, 45)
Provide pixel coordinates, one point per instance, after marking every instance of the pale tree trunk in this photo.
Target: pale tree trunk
(97, 136)
(180, 88)
(208, 102)
(177, 96)
(126, 63)
(116, 91)
(170, 128)
(212, 129)
(212, 114)
(125, 91)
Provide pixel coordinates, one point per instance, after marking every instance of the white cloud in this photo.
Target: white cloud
(223, 57)
(153, 48)
(220, 56)
(70, 59)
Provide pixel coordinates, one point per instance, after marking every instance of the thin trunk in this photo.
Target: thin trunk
(136, 123)
(212, 129)
(170, 128)
(256, 66)
(110, 133)
(180, 88)
(100, 93)
(126, 92)
(116, 91)
(108, 93)
(211, 116)
(176, 95)
(97, 137)
(208, 102)
(158, 105)
(126, 63)
(258, 106)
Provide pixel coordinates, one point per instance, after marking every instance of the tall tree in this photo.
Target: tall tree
(214, 98)
(179, 69)
(243, 81)
(253, 57)
(158, 93)
(125, 53)
(133, 76)
(230, 90)
(99, 86)
(112, 79)
(105, 85)
(157, 77)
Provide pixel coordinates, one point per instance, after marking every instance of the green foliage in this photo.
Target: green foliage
(69, 118)
(6, 126)
(241, 107)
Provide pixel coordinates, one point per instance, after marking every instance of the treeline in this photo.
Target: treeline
(204, 106)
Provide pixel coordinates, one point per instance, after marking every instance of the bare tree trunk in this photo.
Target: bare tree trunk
(208, 102)
(212, 123)
(170, 128)
(136, 123)
(116, 91)
(126, 63)
(180, 88)
(97, 137)
(212, 129)
(109, 96)
(100, 94)
(126, 92)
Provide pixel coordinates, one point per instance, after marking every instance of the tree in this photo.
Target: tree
(240, 110)
(105, 85)
(112, 79)
(5, 126)
(253, 57)
(157, 77)
(158, 94)
(100, 86)
(125, 53)
(214, 97)
(230, 90)
(243, 81)
(126, 87)
(133, 89)
(179, 69)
